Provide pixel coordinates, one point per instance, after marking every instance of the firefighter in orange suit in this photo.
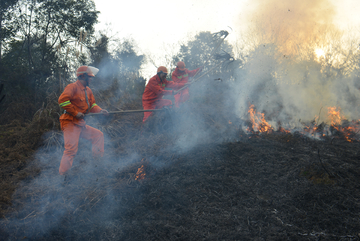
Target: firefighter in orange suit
(181, 75)
(78, 100)
(155, 90)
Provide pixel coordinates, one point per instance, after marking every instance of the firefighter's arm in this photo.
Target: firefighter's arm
(173, 85)
(154, 87)
(94, 108)
(193, 72)
(65, 100)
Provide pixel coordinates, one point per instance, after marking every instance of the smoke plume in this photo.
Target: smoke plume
(298, 63)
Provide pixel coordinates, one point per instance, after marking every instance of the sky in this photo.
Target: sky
(158, 26)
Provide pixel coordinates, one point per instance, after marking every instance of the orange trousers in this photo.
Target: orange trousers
(181, 97)
(72, 133)
(151, 105)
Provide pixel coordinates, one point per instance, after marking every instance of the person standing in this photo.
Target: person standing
(155, 90)
(77, 100)
(181, 75)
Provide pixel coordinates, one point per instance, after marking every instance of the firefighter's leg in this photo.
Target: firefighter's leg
(165, 125)
(71, 140)
(177, 98)
(97, 140)
(147, 105)
(184, 95)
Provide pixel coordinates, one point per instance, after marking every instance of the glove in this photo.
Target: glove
(104, 112)
(79, 115)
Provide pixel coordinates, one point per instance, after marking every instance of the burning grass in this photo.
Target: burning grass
(275, 185)
(337, 126)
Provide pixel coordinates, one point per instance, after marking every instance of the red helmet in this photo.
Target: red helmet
(162, 69)
(89, 70)
(181, 65)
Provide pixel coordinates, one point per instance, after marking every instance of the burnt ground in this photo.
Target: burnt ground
(249, 187)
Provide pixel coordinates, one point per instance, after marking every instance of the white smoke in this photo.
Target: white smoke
(283, 77)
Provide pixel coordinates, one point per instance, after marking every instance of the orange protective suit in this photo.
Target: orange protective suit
(154, 91)
(73, 100)
(183, 78)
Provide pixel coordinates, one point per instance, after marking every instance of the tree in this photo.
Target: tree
(119, 77)
(40, 31)
(197, 52)
(5, 13)
(47, 26)
(200, 51)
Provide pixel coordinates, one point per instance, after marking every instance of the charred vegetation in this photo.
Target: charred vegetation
(233, 185)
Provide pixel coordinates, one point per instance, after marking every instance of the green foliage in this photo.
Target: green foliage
(34, 35)
(119, 74)
(201, 51)
(196, 52)
(6, 9)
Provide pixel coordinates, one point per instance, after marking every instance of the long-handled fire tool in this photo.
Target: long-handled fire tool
(221, 35)
(227, 58)
(127, 111)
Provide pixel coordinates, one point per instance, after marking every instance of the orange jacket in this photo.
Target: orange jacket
(184, 76)
(155, 89)
(73, 100)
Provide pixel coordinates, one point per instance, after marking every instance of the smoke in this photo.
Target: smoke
(284, 75)
(281, 75)
(46, 203)
(291, 25)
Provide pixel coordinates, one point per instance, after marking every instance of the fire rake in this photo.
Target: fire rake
(127, 111)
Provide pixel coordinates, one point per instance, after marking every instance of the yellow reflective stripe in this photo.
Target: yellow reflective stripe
(93, 106)
(65, 103)
(181, 76)
(162, 85)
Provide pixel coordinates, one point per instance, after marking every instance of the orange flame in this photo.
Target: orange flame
(336, 120)
(282, 129)
(258, 121)
(334, 116)
(140, 174)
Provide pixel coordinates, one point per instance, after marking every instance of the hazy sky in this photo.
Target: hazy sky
(155, 23)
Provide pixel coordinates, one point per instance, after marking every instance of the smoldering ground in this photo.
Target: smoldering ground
(245, 189)
(46, 203)
(91, 203)
(42, 202)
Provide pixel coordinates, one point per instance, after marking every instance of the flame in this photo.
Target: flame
(336, 120)
(334, 116)
(259, 124)
(140, 174)
(282, 129)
